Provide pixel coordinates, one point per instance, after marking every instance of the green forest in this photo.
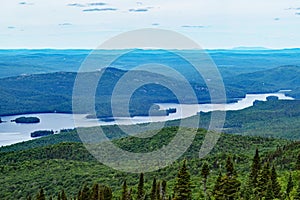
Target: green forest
(239, 167)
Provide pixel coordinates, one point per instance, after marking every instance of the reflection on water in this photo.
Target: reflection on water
(11, 132)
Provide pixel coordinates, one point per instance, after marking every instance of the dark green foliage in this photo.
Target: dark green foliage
(298, 162)
(263, 180)
(204, 174)
(290, 185)
(182, 189)
(105, 193)
(269, 193)
(230, 183)
(141, 192)
(63, 195)
(125, 193)
(297, 196)
(164, 190)
(95, 195)
(255, 168)
(27, 120)
(41, 195)
(217, 192)
(41, 133)
(275, 184)
(153, 194)
(84, 194)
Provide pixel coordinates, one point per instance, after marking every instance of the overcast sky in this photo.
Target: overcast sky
(211, 23)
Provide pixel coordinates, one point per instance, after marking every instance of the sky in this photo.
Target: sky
(213, 24)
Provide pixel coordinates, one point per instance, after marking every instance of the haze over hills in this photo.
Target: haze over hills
(229, 62)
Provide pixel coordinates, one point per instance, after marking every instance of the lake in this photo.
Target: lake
(11, 133)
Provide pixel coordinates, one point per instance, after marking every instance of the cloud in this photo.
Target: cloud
(25, 3)
(11, 27)
(155, 24)
(65, 24)
(97, 4)
(87, 4)
(277, 19)
(76, 5)
(193, 26)
(297, 13)
(139, 10)
(291, 8)
(99, 9)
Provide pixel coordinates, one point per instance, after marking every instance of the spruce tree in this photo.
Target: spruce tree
(58, 197)
(153, 190)
(125, 195)
(182, 189)
(95, 195)
(141, 192)
(290, 186)
(263, 179)
(63, 195)
(105, 193)
(230, 183)
(84, 194)
(204, 174)
(164, 190)
(158, 190)
(41, 195)
(217, 192)
(251, 187)
(298, 162)
(297, 195)
(269, 193)
(275, 184)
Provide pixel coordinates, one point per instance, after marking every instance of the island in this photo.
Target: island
(0, 120)
(26, 120)
(41, 133)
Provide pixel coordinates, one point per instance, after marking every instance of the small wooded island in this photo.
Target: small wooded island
(41, 133)
(26, 120)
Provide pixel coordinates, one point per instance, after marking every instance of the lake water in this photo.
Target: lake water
(11, 132)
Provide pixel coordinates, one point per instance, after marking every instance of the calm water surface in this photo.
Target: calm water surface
(11, 132)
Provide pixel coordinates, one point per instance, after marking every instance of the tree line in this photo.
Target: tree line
(261, 184)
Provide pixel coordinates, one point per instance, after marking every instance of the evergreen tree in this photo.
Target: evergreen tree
(63, 195)
(158, 190)
(182, 189)
(298, 162)
(95, 195)
(58, 197)
(269, 193)
(141, 192)
(230, 183)
(275, 184)
(263, 180)
(164, 190)
(217, 192)
(204, 174)
(125, 193)
(290, 186)
(297, 195)
(84, 194)
(153, 190)
(250, 190)
(41, 195)
(105, 193)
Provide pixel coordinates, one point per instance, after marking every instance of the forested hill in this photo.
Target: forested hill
(53, 92)
(69, 167)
